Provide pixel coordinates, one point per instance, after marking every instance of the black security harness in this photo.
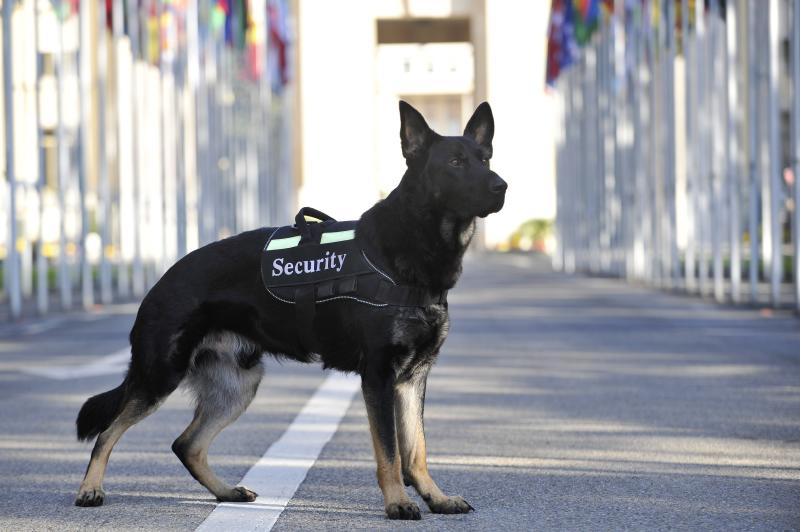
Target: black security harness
(318, 261)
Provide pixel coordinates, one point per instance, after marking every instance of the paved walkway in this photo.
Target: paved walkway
(558, 403)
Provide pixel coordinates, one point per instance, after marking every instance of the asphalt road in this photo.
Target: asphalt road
(558, 403)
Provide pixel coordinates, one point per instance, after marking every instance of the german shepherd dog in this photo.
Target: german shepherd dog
(207, 322)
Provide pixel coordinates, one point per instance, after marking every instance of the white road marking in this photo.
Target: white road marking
(278, 474)
(108, 365)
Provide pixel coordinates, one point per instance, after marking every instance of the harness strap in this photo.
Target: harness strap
(371, 287)
(305, 303)
(374, 287)
(406, 296)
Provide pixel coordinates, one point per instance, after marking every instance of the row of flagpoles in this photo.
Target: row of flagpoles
(135, 131)
(679, 152)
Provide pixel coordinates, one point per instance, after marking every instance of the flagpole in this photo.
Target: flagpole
(607, 168)
(643, 139)
(671, 168)
(763, 141)
(558, 257)
(582, 145)
(565, 84)
(195, 99)
(795, 113)
(753, 88)
(607, 188)
(137, 267)
(654, 192)
(41, 261)
(638, 159)
(85, 74)
(704, 123)
(104, 209)
(718, 144)
(625, 256)
(733, 154)
(775, 166)
(570, 266)
(616, 105)
(567, 227)
(169, 184)
(12, 281)
(576, 164)
(204, 93)
(690, 282)
(63, 168)
(603, 198)
(122, 132)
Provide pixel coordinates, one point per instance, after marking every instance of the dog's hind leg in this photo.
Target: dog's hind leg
(91, 491)
(409, 407)
(224, 382)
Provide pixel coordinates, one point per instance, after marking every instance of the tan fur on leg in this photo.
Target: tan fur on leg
(91, 491)
(223, 390)
(409, 398)
(191, 447)
(390, 477)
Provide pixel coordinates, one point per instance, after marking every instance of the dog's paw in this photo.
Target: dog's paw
(450, 505)
(238, 494)
(90, 497)
(403, 510)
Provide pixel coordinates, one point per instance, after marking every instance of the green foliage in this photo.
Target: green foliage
(531, 235)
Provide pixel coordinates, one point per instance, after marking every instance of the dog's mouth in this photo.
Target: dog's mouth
(498, 204)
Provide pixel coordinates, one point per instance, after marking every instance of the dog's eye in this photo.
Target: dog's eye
(455, 161)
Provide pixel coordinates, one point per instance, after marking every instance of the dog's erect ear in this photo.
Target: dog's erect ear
(414, 131)
(481, 126)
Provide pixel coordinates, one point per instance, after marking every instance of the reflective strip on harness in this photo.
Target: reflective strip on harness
(283, 243)
(337, 236)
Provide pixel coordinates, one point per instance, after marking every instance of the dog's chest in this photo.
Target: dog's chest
(417, 335)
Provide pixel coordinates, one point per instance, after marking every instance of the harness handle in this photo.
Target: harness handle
(300, 219)
(305, 228)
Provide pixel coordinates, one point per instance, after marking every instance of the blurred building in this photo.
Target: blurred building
(357, 58)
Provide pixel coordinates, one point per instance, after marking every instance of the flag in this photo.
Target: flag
(255, 42)
(278, 42)
(168, 30)
(153, 36)
(655, 14)
(633, 18)
(562, 46)
(65, 8)
(109, 4)
(554, 41)
(216, 22)
(586, 20)
(569, 44)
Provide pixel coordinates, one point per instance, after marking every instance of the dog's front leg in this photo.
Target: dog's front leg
(409, 408)
(378, 393)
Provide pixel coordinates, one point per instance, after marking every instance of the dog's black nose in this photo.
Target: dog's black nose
(498, 186)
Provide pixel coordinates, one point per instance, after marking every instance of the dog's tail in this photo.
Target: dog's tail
(99, 411)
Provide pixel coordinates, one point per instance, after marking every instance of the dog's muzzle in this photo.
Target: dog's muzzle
(497, 190)
(498, 186)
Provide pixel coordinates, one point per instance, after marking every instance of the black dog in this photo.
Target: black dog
(209, 319)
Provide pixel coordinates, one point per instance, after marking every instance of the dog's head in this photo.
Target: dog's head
(454, 171)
